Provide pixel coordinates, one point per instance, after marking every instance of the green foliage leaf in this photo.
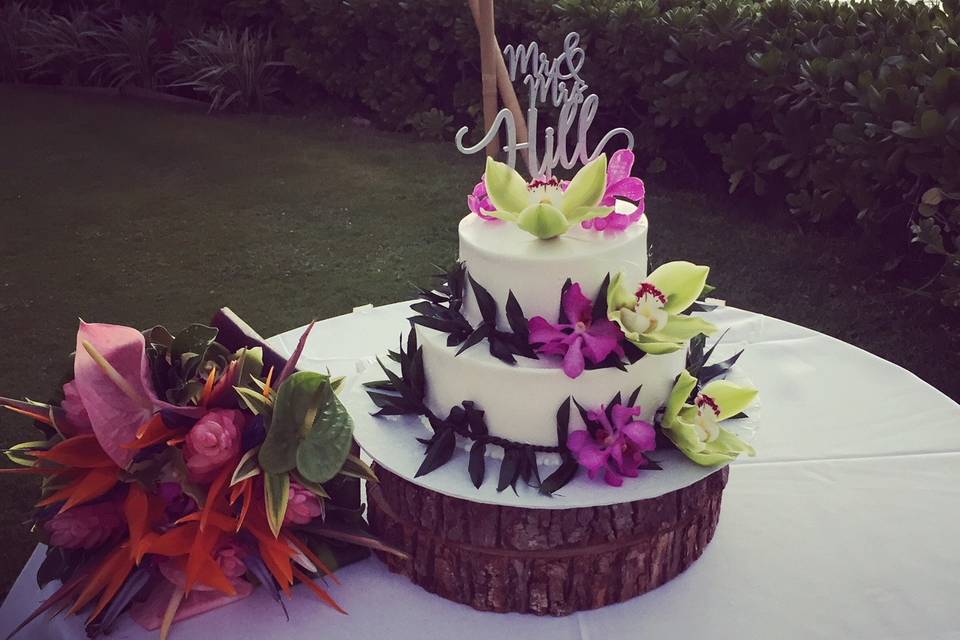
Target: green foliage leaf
(326, 446)
(298, 406)
(276, 493)
(248, 467)
(354, 467)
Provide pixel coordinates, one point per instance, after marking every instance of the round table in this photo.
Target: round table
(845, 525)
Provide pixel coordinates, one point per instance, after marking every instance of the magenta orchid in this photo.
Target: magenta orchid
(616, 447)
(620, 184)
(479, 202)
(579, 337)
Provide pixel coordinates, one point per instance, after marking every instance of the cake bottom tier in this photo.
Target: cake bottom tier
(520, 402)
(542, 561)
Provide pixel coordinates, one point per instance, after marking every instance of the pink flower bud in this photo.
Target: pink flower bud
(213, 441)
(84, 527)
(303, 505)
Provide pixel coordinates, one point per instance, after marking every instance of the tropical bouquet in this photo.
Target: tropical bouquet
(181, 471)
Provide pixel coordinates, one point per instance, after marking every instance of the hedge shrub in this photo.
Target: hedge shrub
(848, 111)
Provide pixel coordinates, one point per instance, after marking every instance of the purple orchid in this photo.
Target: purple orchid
(479, 202)
(619, 184)
(579, 339)
(616, 448)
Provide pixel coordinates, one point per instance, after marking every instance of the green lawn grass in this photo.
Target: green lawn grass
(116, 211)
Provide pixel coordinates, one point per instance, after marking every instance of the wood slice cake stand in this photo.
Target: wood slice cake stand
(542, 561)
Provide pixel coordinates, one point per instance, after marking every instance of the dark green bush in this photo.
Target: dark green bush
(850, 111)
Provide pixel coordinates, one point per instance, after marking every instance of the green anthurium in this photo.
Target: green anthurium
(543, 208)
(695, 428)
(648, 315)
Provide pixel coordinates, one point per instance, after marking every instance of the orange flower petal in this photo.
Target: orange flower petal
(317, 589)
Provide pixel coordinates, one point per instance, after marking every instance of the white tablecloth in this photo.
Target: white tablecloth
(846, 524)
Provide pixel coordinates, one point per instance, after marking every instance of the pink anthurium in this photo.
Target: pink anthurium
(112, 381)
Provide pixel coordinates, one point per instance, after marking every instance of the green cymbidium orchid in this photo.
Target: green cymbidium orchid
(543, 207)
(649, 317)
(695, 428)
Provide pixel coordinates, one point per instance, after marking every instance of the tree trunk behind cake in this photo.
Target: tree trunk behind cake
(542, 561)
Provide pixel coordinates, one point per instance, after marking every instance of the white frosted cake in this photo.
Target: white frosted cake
(520, 401)
(550, 341)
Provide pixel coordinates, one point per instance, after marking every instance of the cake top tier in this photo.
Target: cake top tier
(501, 257)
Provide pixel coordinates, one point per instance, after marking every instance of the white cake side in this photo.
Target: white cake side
(502, 258)
(520, 402)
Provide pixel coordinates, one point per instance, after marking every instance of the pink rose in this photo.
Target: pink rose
(213, 441)
(303, 505)
(84, 527)
(75, 412)
(229, 557)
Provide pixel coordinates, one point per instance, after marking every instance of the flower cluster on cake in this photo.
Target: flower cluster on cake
(553, 279)
(179, 472)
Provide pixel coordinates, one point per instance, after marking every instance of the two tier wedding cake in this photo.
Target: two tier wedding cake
(551, 434)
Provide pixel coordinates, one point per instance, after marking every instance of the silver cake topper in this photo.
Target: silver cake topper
(557, 83)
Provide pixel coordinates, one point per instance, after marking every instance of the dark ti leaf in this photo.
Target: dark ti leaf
(518, 323)
(475, 420)
(563, 422)
(600, 302)
(53, 567)
(395, 411)
(412, 346)
(562, 315)
(454, 339)
(439, 451)
(532, 473)
(615, 400)
(501, 350)
(701, 307)
(585, 416)
(739, 416)
(561, 477)
(485, 302)
(417, 379)
(633, 352)
(131, 588)
(400, 386)
(524, 467)
(444, 326)
(712, 371)
(259, 570)
(632, 402)
(457, 416)
(477, 465)
(478, 334)
(708, 353)
(611, 361)
(429, 309)
(695, 357)
(384, 400)
(509, 469)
